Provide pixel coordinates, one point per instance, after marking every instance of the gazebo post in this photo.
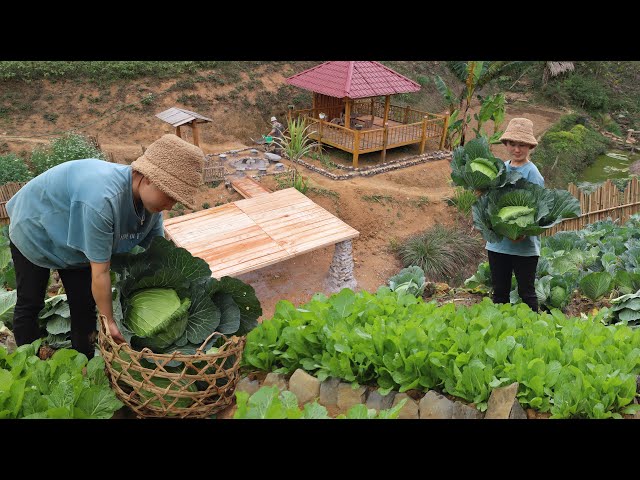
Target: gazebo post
(314, 102)
(196, 133)
(385, 139)
(356, 148)
(347, 113)
(387, 101)
(178, 131)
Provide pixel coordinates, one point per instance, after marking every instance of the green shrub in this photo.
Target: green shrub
(444, 253)
(587, 92)
(13, 169)
(566, 150)
(71, 146)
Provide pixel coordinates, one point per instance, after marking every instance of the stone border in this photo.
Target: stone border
(376, 169)
(339, 396)
(364, 171)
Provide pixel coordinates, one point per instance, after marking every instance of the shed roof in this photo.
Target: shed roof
(353, 80)
(179, 116)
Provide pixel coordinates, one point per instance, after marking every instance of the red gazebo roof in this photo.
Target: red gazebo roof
(353, 80)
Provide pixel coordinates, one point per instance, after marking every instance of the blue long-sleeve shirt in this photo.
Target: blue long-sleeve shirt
(77, 212)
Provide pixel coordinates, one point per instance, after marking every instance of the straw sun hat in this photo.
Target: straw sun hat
(174, 166)
(520, 130)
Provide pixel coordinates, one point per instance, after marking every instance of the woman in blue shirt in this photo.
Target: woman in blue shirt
(519, 256)
(74, 216)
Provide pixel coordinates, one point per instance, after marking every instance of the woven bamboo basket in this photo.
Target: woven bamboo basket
(200, 386)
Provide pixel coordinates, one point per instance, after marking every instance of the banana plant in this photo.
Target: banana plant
(474, 76)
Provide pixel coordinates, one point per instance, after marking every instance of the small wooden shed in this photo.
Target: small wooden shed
(177, 117)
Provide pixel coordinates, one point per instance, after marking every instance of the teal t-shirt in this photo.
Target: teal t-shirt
(530, 246)
(77, 212)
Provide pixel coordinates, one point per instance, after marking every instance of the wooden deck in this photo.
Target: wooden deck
(248, 187)
(249, 234)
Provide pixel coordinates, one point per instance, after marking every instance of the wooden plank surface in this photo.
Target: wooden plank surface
(248, 234)
(248, 187)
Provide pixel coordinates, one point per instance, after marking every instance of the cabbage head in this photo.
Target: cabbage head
(557, 297)
(166, 300)
(474, 167)
(158, 312)
(522, 209)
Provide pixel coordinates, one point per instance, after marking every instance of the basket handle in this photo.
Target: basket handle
(102, 318)
(201, 347)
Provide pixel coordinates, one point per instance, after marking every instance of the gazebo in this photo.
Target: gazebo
(177, 117)
(348, 114)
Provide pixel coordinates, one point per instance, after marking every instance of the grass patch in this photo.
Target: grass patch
(422, 201)
(325, 192)
(444, 253)
(377, 198)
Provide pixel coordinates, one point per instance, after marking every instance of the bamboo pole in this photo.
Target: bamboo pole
(385, 134)
(387, 101)
(445, 127)
(406, 115)
(424, 134)
(178, 131)
(347, 113)
(356, 148)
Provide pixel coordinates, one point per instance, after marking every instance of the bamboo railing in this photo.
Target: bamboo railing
(7, 191)
(605, 202)
(212, 171)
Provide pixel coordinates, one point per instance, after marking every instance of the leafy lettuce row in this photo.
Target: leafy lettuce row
(571, 367)
(522, 209)
(169, 301)
(55, 388)
(474, 167)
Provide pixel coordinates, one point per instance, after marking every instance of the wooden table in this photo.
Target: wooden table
(248, 234)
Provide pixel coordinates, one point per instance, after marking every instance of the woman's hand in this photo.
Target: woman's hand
(478, 193)
(519, 239)
(115, 332)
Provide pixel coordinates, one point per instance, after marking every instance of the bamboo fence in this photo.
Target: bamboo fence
(7, 191)
(605, 202)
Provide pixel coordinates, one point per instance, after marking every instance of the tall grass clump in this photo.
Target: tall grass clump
(13, 169)
(71, 146)
(463, 200)
(444, 253)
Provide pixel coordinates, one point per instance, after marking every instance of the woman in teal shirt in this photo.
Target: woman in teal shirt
(76, 215)
(519, 256)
